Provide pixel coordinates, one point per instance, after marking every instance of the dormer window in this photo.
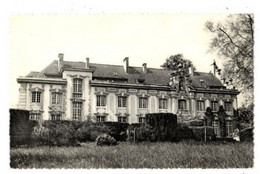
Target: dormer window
(77, 88)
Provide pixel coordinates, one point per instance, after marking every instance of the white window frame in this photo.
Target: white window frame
(76, 110)
(141, 119)
(101, 118)
(122, 119)
(77, 87)
(180, 101)
(56, 116)
(229, 127)
(163, 103)
(34, 116)
(143, 102)
(56, 98)
(101, 100)
(122, 101)
(36, 97)
(214, 106)
(200, 106)
(215, 125)
(228, 108)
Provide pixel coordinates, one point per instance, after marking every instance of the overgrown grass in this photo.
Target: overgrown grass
(141, 155)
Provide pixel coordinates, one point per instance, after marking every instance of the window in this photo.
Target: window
(182, 104)
(101, 100)
(214, 106)
(77, 110)
(77, 88)
(215, 125)
(55, 117)
(228, 106)
(36, 97)
(101, 118)
(141, 119)
(35, 116)
(56, 98)
(122, 101)
(200, 105)
(143, 102)
(229, 127)
(122, 119)
(162, 103)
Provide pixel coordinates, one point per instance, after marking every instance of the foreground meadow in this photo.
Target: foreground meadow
(140, 155)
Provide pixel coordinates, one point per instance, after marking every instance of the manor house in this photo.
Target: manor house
(70, 90)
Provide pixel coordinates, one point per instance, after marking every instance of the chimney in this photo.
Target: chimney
(60, 61)
(87, 65)
(144, 68)
(126, 64)
(191, 70)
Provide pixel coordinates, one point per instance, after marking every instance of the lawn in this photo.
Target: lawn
(137, 155)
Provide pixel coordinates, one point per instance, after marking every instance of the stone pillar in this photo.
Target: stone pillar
(174, 105)
(207, 104)
(193, 107)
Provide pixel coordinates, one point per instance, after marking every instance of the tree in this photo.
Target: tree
(234, 42)
(179, 70)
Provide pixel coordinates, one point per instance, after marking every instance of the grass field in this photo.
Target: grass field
(141, 155)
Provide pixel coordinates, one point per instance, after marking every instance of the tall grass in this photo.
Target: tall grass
(141, 155)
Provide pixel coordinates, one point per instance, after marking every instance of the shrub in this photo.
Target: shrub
(183, 132)
(117, 130)
(90, 131)
(61, 132)
(246, 134)
(162, 126)
(196, 123)
(105, 139)
(199, 133)
(19, 127)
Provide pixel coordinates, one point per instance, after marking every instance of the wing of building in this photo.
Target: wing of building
(101, 92)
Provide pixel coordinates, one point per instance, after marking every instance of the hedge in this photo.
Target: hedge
(246, 134)
(19, 127)
(183, 132)
(199, 133)
(91, 130)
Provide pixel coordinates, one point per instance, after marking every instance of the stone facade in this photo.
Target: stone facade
(80, 90)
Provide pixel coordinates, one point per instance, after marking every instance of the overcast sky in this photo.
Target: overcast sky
(36, 40)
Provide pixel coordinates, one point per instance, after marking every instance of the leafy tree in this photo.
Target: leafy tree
(179, 70)
(244, 115)
(233, 41)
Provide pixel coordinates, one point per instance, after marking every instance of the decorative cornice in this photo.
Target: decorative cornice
(101, 114)
(41, 80)
(36, 89)
(77, 100)
(78, 76)
(122, 115)
(57, 90)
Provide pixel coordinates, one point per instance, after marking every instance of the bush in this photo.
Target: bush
(19, 127)
(196, 123)
(90, 131)
(162, 126)
(199, 133)
(117, 130)
(246, 134)
(183, 132)
(105, 139)
(61, 132)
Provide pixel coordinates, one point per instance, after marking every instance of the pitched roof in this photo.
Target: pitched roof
(154, 76)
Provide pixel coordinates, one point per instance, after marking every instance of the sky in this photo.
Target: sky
(37, 39)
